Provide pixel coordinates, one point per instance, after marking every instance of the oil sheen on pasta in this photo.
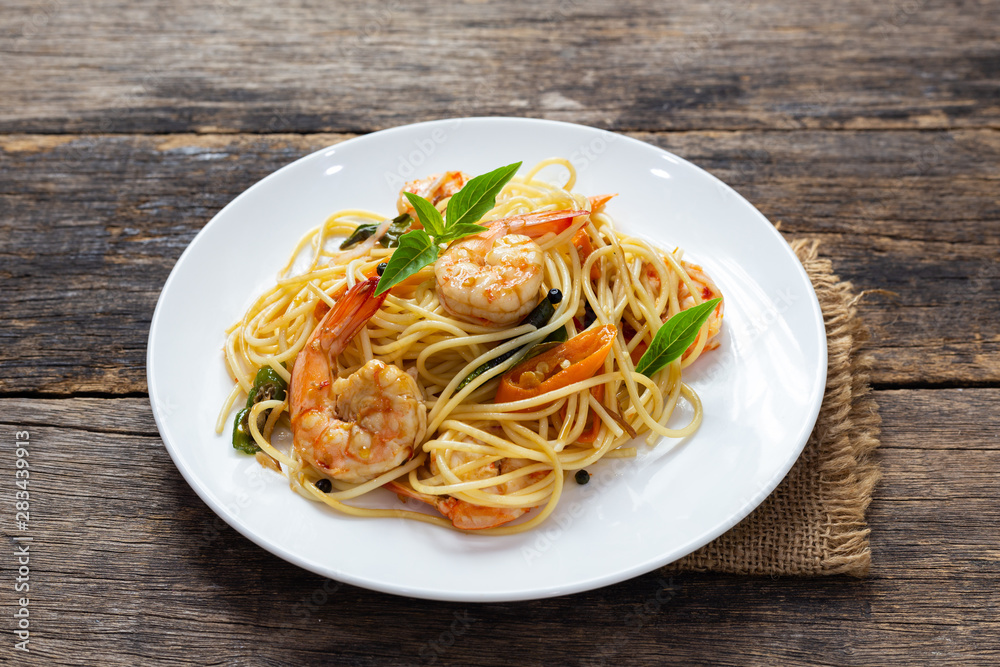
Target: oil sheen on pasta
(475, 463)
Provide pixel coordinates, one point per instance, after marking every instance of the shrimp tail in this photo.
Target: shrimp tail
(467, 516)
(350, 314)
(331, 336)
(535, 225)
(463, 515)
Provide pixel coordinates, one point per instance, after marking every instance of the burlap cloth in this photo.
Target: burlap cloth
(814, 522)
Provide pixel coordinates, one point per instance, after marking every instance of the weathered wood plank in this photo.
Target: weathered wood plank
(91, 229)
(943, 419)
(129, 562)
(916, 213)
(110, 66)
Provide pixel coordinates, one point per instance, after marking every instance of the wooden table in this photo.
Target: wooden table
(874, 127)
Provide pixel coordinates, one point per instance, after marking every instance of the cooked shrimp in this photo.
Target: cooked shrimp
(493, 278)
(707, 290)
(358, 427)
(435, 188)
(467, 516)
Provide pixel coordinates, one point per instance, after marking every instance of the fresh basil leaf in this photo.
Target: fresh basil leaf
(478, 196)
(537, 318)
(429, 216)
(416, 250)
(675, 336)
(420, 247)
(460, 231)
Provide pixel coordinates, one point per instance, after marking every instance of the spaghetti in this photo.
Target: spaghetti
(499, 416)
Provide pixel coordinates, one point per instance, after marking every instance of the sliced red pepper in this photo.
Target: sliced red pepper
(585, 354)
(637, 353)
(583, 248)
(582, 239)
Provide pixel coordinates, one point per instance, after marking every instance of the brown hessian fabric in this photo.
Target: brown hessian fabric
(814, 522)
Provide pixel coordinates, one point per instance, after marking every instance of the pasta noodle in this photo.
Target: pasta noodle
(476, 455)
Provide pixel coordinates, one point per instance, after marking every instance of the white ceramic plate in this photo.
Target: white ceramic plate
(761, 390)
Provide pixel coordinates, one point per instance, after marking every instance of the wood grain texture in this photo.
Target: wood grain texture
(90, 227)
(108, 66)
(127, 561)
(124, 127)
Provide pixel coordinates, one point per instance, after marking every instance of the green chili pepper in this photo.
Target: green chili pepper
(360, 233)
(538, 317)
(242, 440)
(400, 225)
(560, 335)
(390, 239)
(267, 386)
(541, 314)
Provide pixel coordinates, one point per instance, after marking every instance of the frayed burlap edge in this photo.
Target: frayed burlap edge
(814, 522)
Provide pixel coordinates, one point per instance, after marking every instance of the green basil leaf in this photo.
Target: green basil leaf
(429, 216)
(460, 231)
(478, 196)
(675, 336)
(416, 250)
(420, 247)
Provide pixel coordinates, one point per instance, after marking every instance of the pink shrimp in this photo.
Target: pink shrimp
(435, 188)
(467, 516)
(706, 288)
(493, 278)
(358, 427)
